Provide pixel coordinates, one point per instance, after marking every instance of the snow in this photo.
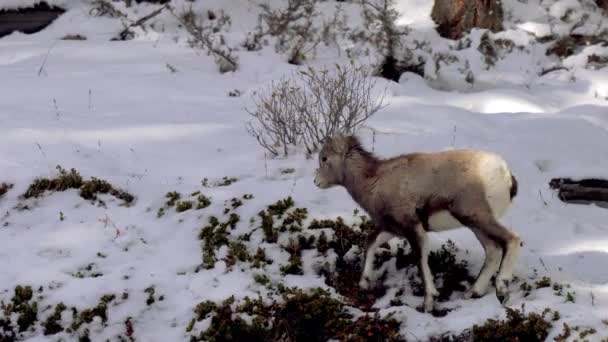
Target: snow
(113, 110)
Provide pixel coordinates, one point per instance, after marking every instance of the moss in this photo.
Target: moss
(87, 271)
(202, 202)
(544, 282)
(259, 259)
(237, 251)
(28, 315)
(271, 234)
(298, 316)
(570, 297)
(261, 279)
(518, 326)
(203, 309)
(322, 243)
(66, 180)
(52, 324)
(226, 181)
(345, 236)
(23, 294)
(294, 219)
(150, 291)
(448, 271)
(172, 198)
(583, 333)
(558, 289)
(294, 265)
(182, 206)
(287, 171)
(23, 306)
(525, 288)
(565, 334)
(280, 207)
(233, 219)
(372, 328)
(87, 315)
(226, 327)
(215, 235)
(306, 242)
(345, 276)
(235, 203)
(89, 189)
(6, 331)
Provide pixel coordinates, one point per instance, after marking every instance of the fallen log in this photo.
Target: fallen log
(28, 20)
(585, 190)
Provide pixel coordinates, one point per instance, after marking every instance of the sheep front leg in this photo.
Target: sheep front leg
(374, 241)
(420, 245)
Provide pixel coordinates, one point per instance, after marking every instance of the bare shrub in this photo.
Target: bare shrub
(293, 28)
(206, 34)
(386, 37)
(105, 8)
(311, 105)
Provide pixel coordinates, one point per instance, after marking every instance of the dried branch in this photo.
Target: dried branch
(127, 34)
(202, 37)
(311, 105)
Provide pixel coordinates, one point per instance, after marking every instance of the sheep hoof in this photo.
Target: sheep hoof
(472, 294)
(502, 297)
(364, 284)
(502, 290)
(429, 304)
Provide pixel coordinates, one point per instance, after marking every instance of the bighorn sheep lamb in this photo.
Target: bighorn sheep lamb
(412, 194)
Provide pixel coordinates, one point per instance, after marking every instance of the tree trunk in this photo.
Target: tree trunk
(602, 4)
(456, 17)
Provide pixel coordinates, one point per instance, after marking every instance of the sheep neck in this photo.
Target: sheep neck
(359, 177)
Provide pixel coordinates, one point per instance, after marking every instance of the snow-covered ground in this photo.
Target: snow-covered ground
(114, 110)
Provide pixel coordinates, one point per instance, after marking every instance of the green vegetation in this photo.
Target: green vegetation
(297, 316)
(518, 326)
(89, 189)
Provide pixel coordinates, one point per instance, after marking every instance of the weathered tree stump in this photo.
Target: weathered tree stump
(456, 17)
(582, 191)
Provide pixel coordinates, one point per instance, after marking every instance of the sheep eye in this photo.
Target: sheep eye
(324, 159)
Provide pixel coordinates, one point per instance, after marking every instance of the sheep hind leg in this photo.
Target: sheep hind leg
(493, 256)
(509, 241)
(418, 240)
(373, 242)
(511, 246)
